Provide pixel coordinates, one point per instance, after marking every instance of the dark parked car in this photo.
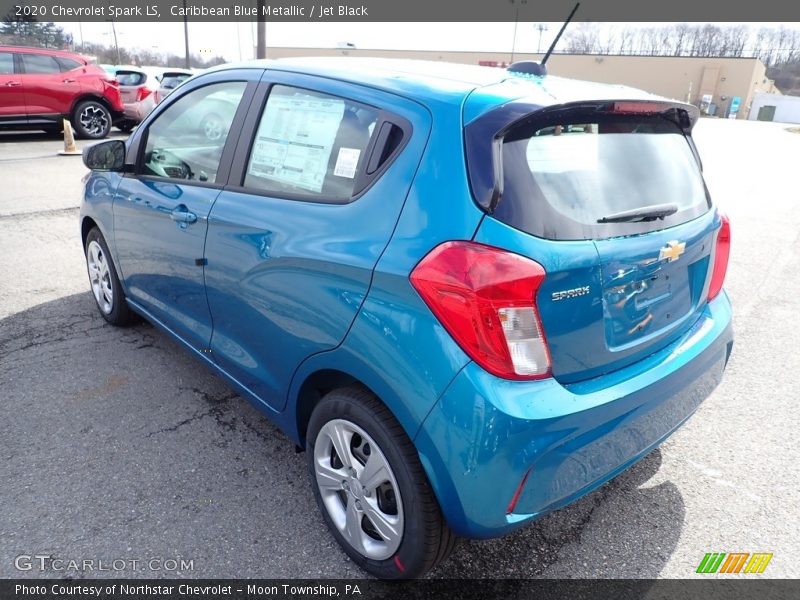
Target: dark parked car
(169, 81)
(41, 87)
(472, 295)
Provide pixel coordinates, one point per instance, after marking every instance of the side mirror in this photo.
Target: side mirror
(105, 156)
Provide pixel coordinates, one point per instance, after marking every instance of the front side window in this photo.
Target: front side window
(187, 139)
(39, 64)
(310, 145)
(6, 63)
(601, 178)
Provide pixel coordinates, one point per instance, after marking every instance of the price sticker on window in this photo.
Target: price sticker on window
(346, 162)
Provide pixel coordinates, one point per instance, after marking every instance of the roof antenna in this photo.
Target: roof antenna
(531, 67)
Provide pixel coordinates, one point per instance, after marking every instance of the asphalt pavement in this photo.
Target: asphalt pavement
(115, 445)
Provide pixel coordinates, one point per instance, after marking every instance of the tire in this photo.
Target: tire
(91, 120)
(126, 126)
(105, 285)
(414, 536)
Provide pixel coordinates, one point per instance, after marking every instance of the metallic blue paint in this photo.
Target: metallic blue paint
(293, 289)
(591, 334)
(268, 256)
(570, 438)
(157, 256)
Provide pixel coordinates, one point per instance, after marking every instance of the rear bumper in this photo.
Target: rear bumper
(137, 111)
(486, 434)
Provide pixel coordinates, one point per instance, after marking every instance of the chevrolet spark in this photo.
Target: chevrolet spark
(472, 295)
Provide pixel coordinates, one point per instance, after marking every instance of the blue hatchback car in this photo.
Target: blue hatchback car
(472, 295)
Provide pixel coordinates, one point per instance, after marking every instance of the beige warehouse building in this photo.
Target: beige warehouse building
(712, 83)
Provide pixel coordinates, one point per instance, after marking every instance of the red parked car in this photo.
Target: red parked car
(40, 87)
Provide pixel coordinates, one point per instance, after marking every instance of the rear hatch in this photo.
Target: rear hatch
(129, 84)
(609, 198)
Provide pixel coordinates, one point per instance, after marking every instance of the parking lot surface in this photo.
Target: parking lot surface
(116, 445)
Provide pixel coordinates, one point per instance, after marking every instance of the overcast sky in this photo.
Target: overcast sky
(236, 41)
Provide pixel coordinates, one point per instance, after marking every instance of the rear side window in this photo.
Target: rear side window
(39, 64)
(67, 64)
(310, 145)
(599, 178)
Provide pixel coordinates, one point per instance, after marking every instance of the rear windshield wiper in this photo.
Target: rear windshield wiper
(648, 213)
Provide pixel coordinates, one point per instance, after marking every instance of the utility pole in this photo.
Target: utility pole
(116, 44)
(261, 31)
(542, 28)
(186, 36)
(516, 3)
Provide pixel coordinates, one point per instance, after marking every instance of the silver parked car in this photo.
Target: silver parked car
(141, 90)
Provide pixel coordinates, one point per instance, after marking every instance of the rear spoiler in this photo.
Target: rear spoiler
(484, 136)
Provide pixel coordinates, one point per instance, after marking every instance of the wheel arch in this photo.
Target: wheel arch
(89, 96)
(87, 224)
(313, 389)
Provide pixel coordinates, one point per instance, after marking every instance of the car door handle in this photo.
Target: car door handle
(13, 83)
(182, 215)
(69, 81)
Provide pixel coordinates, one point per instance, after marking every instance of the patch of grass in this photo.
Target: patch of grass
(793, 129)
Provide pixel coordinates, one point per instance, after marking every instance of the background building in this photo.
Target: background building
(775, 107)
(714, 84)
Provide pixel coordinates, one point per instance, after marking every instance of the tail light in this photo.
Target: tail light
(721, 255)
(143, 93)
(486, 299)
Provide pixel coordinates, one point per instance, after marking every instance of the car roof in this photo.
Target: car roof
(438, 81)
(49, 51)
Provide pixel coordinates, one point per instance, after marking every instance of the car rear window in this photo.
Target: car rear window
(561, 179)
(131, 78)
(172, 81)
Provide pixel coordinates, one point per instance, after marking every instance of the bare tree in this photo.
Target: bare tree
(583, 39)
(772, 45)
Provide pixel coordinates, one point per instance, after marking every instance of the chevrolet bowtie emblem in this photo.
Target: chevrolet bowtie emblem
(672, 251)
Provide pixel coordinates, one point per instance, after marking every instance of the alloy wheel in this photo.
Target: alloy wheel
(100, 277)
(94, 120)
(358, 489)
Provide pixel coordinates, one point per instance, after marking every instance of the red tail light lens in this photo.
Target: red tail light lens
(723, 251)
(486, 299)
(143, 93)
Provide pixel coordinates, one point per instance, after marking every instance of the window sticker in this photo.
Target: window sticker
(295, 139)
(346, 162)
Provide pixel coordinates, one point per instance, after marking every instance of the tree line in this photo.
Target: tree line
(29, 32)
(772, 45)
